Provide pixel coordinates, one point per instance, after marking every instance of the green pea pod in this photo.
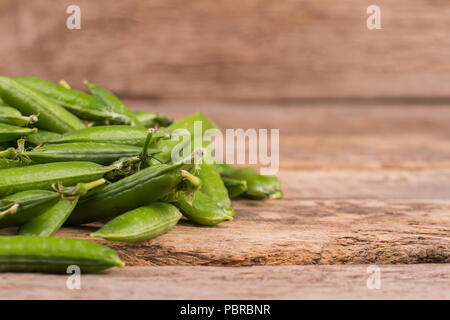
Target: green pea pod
(142, 188)
(10, 133)
(213, 186)
(47, 223)
(133, 136)
(7, 163)
(9, 153)
(52, 116)
(235, 187)
(189, 122)
(224, 169)
(79, 103)
(211, 204)
(41, 137)
(140, 224)
(23, 206)
(258, 186)
(112, 102)
(152, 119)
(204, 210)
(54, 255)
(13, 117)
(42, 176)
(101, 153)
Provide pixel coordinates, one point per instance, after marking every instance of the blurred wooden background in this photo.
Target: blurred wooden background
(236, 49)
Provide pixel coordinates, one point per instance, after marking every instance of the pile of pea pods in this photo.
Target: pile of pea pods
(68, 157)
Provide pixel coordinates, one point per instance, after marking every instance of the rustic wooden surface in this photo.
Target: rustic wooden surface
(234, 49)
(424, 281)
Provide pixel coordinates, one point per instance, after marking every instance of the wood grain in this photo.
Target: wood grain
(234, 50)
(430, 281)
(298, 232)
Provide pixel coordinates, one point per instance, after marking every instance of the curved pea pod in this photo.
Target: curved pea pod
(52, 116)
(42, 176)
(211, 204)
(13, 117)
(213, 185)
(152, 119)
(235, 187)
(10, 133)
(47, 223)
(101, 153)
(204, 210)
(54, 255)
(23, 206)
(258, 186)
(133, 136)
(41, 137)
(79, 103)
(113, 103)
(142, 188)
(140, 224)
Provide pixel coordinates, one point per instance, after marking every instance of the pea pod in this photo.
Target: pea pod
(47, 223)
(152, 119)
(224, 169)
(23, 206)
(258, 186)
(113, 103)
(13, 117)
(213, 186)
(101, 153)
(144, 187)
(140, 224)
(133, 136)
(235, 187)
(9, 153)
(42, 136)
(204, 210)
(10, 133)
(7, 163)
(79, 103)
(52, 116)
(42, 176)
(54, 255)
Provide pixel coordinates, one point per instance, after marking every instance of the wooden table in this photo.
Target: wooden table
(363, 186)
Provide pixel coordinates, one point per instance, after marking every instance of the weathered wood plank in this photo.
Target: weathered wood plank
(429, 281)
(366, 184)
(242, 49)
(297, 232)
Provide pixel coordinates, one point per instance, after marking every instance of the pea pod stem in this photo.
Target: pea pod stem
(80, 189)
